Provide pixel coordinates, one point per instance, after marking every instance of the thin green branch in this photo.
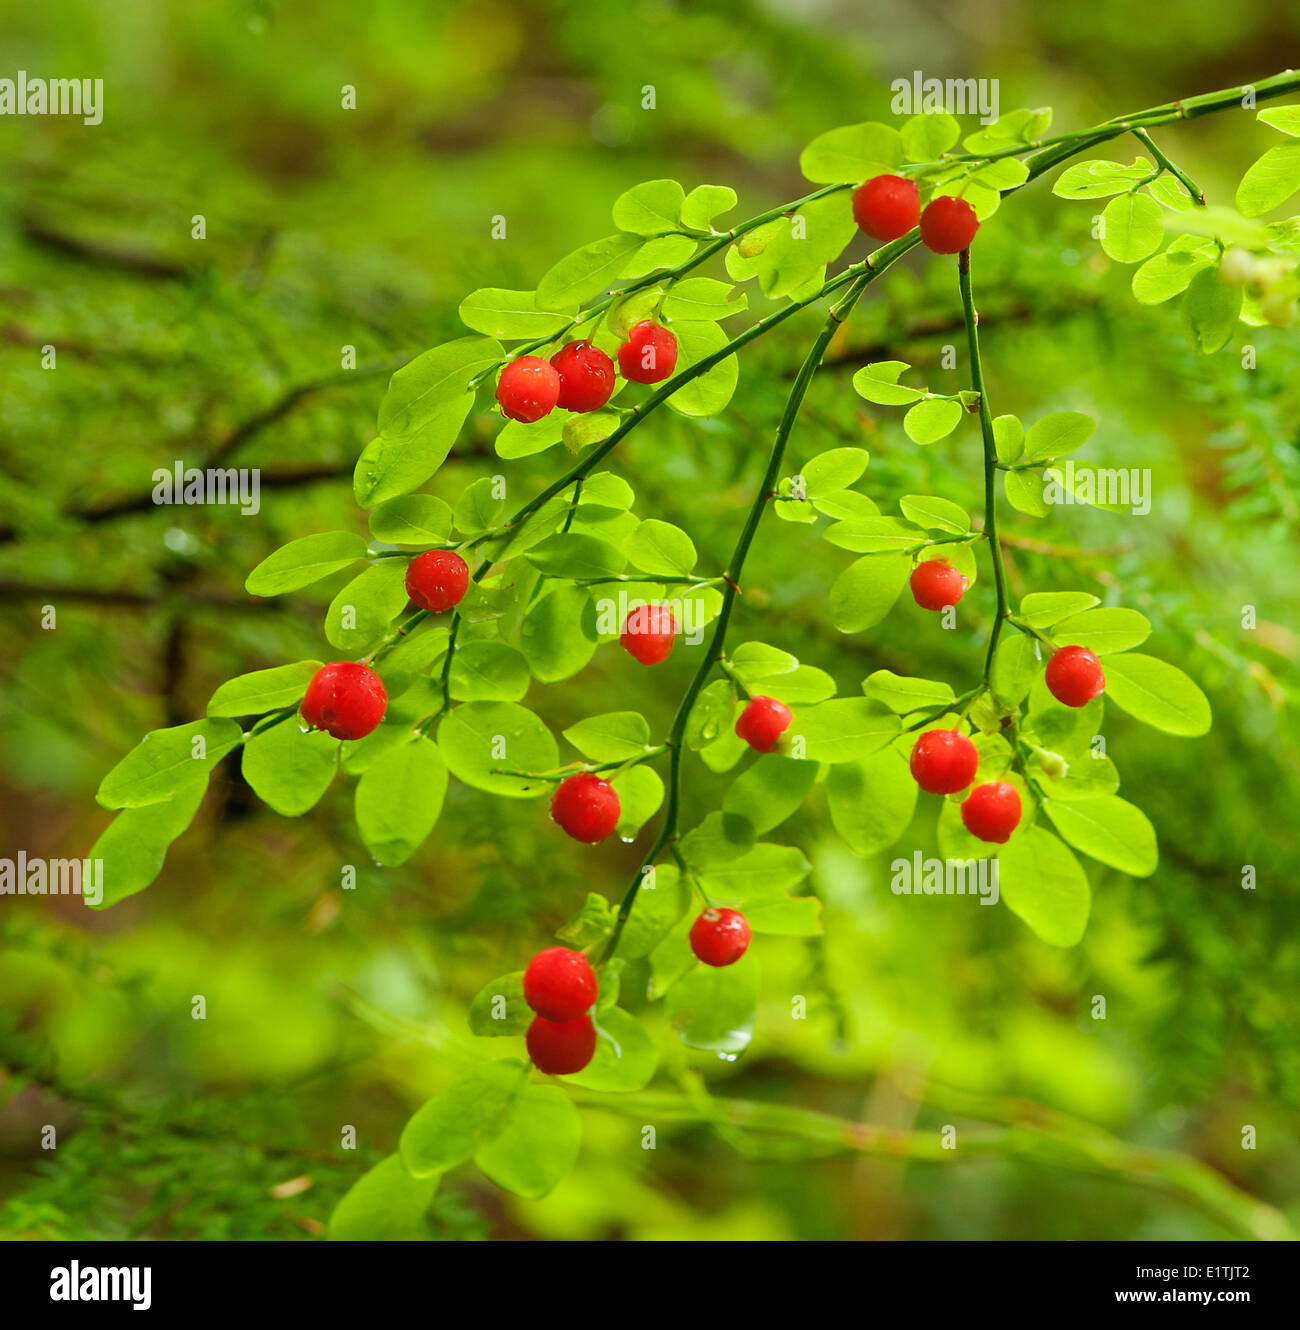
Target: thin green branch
(1165, 164)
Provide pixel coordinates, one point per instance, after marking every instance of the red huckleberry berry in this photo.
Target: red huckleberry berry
(559, 984)
(943, 761)
(649, 632)
(559, 1048)
(887, 206)
(936, 584)
(720, 937)
(649, 355)
(948, 224)
(436, 580)
(528, 389)
(1074, 676)
(763, 722)
(992, 811)
(586, 376)
(586, 807)
(345, 699)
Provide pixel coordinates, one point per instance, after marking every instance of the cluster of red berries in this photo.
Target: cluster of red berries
(945, 761)
(580, 376)
(889, 206)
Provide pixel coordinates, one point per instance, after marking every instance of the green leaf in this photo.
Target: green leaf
(843, 729)
(640, 795)
(1008, 439)
(538, 1146)
(717, 840)
(1015, 665)
(479, 507)
(1132, 228)
(661, 902)
(1024, 491)
(362, 611)
(1211, 310)
(571, 554)
(712, 714)
(499, 1007)
(133, 847)
(1097, 179)
(1056, 434)
(558, 634)
(931, 420)
(927, 137)
(833, 471)
(512, 314)
(866, 590)
(424, 394)
(455, 1124)
(1158, 694)
(488, 672)
(1019, 126)
(1103, 631)
(263, 690)
(714, 1009)
(769, 791)
(478, 739)
(411, 519)
(1042, 609)
(704, 203)
(757, 883)
(1285, 118)
(659, 547)
(1043, 883)
(585, 273)
(613, 737)
(165, 761)
(871, 801)
(875, 535)
(304, 561)
(902, 693)
(710, 392)
(1109, 829)
(661, 252)
(1270, 181)
(878, 383)
(650, 209)
(625, 1058)
(385, 1204)
(852, 154)
(519, 438)
(696, 298)
(290, 770)
(399, 798)
(1166, 274)
(935, 514)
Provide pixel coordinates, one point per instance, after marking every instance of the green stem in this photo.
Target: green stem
(1165, 164)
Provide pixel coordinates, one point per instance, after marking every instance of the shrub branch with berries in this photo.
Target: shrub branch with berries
(615, 331)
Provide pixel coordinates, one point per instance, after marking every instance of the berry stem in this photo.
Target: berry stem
(1165, 164)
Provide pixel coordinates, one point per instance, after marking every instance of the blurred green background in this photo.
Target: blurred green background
(329, 228)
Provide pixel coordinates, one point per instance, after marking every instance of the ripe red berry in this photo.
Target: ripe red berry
(936, 584)
(560, 984)
(649, 355)
(992, 811)
(586, 807)
(948, 224)
(887, 206)
(528, 388)
(720, 937)
(944, 761)
(1074, 676)
(436, 580)
(763, 722)
(559, 1048)
(649, 632)
(345, 699)
(586, 376)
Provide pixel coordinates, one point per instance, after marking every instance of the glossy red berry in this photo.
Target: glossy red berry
(992, 811)
(560, 984)
(887, 206)
(586, 376)
(528, 388)
(649, 632)
(649, 355)
(559, 1048)
(936, 585)
(943, 761)
(345, 699)
(436, 580)
(720, 937)
(948, 224)
(1074, 676)
(763, 722)
(586, 807)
